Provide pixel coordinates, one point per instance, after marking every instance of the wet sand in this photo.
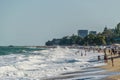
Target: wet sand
(92, 73)
(115, 68)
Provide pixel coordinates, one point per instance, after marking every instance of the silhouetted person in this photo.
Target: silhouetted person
(85, 52)
(99, 58)
(104, 51)
(105, 58)
(109, 51)
(81, 54)
(119, 53)
(112, 60)
(113, 51)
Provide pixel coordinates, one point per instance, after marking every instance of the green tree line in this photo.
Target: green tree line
(107, 37)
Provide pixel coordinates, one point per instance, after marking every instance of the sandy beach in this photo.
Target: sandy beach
(115, 68)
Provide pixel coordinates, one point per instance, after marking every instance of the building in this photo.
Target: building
(93, 32)
(82, 33)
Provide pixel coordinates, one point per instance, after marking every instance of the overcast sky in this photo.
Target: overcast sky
(33, 22)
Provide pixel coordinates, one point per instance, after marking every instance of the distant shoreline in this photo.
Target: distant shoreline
(77, 47)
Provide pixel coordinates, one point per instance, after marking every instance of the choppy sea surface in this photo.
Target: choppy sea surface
(27, 63)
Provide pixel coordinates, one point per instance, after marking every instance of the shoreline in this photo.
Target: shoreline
(110, 68)
(111, 72)
(85, 73)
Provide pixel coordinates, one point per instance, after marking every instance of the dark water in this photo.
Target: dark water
(5, 50)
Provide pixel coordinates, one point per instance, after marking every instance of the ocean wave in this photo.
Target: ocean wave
(39, 64)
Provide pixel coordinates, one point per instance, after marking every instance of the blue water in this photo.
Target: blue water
(6, 50)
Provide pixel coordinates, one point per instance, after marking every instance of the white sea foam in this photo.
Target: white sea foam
(45, 63)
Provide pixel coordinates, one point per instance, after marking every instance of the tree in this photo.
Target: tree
(100, 40)
(117, 30)
(65, 41)
(105, 29)
(49, 43)
(75, 39)
(90, 39)
(109, 34)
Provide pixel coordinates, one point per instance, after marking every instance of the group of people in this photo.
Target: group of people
(111, 51)
(81, 53)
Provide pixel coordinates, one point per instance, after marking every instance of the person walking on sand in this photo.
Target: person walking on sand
(112, 60)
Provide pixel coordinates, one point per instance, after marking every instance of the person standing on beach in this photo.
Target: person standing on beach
(112, 60)
(105, 56)
(113, 51)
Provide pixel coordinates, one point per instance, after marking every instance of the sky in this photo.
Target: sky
(33, 22)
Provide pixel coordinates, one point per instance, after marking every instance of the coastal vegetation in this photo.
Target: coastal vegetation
(107, 37)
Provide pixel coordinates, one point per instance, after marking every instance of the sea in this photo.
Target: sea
(31, 63)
